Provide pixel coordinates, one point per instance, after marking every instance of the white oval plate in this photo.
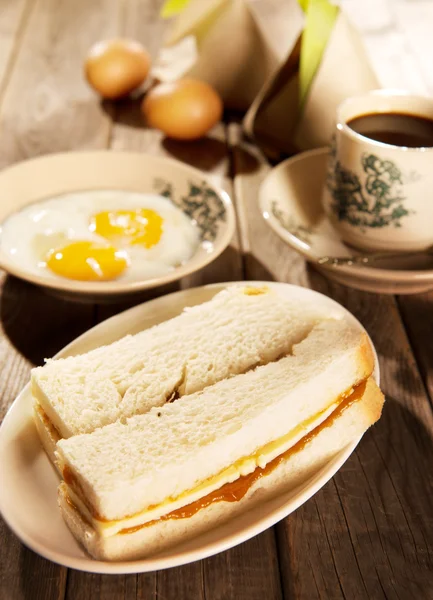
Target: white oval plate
(28, 481)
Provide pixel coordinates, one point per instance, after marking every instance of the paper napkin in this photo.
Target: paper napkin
(288, 63)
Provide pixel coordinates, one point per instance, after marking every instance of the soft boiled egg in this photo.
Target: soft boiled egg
(100, 236)
(87, 261)
(141, 226)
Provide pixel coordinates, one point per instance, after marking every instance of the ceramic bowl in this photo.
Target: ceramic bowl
(189, 189)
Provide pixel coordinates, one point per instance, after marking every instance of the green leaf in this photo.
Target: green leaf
(320, 17)
(171, 8)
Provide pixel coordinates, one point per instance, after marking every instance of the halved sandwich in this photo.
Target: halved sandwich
(136, 486)
(237, 330)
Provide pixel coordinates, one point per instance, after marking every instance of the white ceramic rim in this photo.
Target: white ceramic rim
(116, 287)
(260, 525)
(361, 272)
(388, 93)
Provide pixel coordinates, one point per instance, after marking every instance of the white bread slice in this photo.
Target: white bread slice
(124, 468)
(342, 427)
(237, 330)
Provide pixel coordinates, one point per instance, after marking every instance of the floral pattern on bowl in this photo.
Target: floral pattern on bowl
(200, 203)
(291, 225)
(377, 201)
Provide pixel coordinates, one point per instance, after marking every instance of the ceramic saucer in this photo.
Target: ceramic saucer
(290, 201)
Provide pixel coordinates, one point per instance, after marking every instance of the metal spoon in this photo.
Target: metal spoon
(367, 259)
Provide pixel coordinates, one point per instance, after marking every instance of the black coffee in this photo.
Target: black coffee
(398, 129)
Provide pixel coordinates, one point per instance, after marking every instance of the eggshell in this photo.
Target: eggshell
(114, 68)
(185, 110)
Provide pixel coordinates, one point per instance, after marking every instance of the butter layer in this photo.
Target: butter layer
(242, 467)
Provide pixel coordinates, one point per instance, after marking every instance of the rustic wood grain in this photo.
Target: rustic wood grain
(377, 511)
(34, 325)
(181, 582)
(47, 106)
(368, 533)
(25, 575)
(14, 15)
(44, 107)
(417, 313)
(250, 570)
(48, 62)
(265, 256)
(90, 586)
(140, 21)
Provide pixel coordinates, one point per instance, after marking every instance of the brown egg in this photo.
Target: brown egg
(183, 110)
(115, 68)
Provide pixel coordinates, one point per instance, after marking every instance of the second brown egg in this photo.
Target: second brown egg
(185, 110)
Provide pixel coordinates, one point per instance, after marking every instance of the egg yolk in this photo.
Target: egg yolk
(87, 261)
(135, 227)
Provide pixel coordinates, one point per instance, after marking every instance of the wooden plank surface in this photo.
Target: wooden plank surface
(417, 316)
(44, 107)
(90, 586)
(47, 106)
(369, 532)
(14, 15)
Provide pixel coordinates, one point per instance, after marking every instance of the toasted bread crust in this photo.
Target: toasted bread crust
(48, 434)
(366, 355)
(372, 403)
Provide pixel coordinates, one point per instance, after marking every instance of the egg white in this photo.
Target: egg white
(28, 235)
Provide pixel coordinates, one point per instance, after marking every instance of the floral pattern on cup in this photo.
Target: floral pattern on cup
(377, 202)
(200, 203)
(290, 224)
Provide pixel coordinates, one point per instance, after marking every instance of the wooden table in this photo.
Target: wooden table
(369, 532)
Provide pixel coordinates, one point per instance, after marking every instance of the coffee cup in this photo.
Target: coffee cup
(379, 187)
